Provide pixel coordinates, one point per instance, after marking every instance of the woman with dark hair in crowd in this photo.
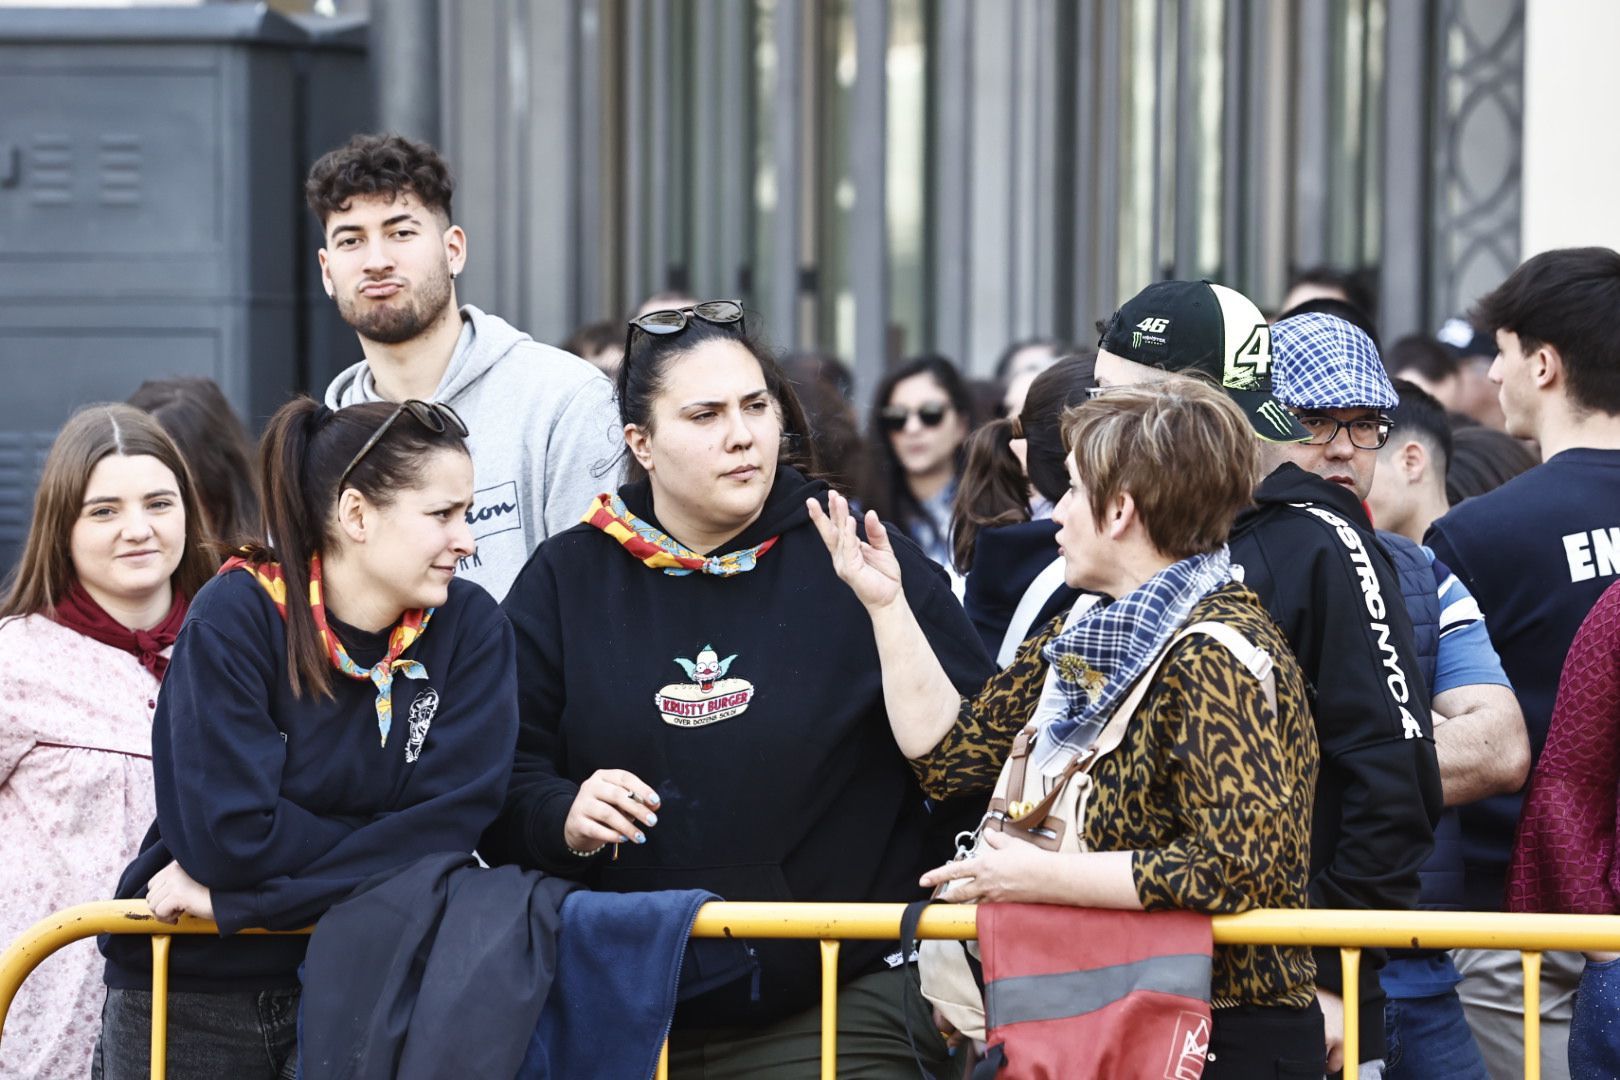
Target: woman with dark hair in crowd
(114, 552)
(337, 706)
(202, 423)
(823, 385)
(1001, 528)
(921, 415)
(1204, 803)
(1483, 459)
(1017, 367)
(702, 707)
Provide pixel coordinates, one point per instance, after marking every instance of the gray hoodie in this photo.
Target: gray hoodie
(544, 434)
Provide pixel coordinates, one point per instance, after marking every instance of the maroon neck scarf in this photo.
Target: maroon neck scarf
(78, 610)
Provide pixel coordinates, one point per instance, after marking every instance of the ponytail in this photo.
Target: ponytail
(294, 518)
(993, 490)
(305, 451)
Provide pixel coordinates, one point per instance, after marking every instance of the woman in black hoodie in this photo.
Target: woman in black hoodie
(702, 706)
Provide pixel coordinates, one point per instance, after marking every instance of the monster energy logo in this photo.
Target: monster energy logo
(1136, 339)
(1277, 415)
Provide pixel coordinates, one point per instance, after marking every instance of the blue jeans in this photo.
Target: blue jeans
(244, 1036)
(1428, 1038)
(1594, 1030)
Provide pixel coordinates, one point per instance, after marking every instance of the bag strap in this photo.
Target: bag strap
(1255, 659)
(1029, 606)
(912, 984)
(1250, 655)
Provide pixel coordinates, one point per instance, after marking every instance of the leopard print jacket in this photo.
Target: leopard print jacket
(1211, 793)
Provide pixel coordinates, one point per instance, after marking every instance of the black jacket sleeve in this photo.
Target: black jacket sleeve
(456, 789)
(1345, 620)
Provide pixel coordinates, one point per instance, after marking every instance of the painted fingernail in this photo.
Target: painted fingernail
(641, 838)
(625, 839)
(652, 819)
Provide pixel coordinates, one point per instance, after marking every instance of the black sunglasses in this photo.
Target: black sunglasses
(433, 415)
(674, 320)
(894, 417)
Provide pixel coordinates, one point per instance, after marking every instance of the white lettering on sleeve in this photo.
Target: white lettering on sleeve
(1606, 547)
(1372, 596)
(1578, 552)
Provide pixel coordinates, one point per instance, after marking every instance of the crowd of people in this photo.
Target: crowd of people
(658, 614)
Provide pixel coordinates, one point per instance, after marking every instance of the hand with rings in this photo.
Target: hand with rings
(613, 807)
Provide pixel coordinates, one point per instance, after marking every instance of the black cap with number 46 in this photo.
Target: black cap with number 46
(1199, 327)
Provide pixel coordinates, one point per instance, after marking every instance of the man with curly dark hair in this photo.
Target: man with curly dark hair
(544, 431)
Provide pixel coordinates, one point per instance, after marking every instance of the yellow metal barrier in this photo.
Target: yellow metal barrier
(1349, 931)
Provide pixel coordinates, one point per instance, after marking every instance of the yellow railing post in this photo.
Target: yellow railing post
(160, 1005)
(829, 1010)
(1532, 1015)
(1350, 966)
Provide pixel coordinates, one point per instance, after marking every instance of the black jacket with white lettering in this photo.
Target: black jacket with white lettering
(1307, 548)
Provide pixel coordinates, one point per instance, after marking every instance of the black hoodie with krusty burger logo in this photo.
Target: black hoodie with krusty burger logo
(753, 705)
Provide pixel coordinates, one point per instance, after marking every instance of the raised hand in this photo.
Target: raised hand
(869, 566)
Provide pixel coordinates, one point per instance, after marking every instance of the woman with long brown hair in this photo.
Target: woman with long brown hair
(1002, 532)
(193, 410)
(113, 555)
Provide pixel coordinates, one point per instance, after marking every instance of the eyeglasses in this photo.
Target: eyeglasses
(433, 415)
(1369, 434)
(894, 418)
(674, 320)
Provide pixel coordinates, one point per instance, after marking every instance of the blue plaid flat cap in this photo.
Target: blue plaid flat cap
(1323, 362)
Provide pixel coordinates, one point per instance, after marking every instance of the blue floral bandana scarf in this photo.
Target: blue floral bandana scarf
(1096, 659)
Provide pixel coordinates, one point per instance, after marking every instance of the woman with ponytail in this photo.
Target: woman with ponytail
(1002, 533)
(114, 552)
(337, 706)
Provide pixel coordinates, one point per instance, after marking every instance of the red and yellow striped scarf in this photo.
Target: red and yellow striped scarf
(411, 626)
(659, 550)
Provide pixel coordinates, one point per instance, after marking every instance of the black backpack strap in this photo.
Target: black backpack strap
(994, 1058)
(913, 985)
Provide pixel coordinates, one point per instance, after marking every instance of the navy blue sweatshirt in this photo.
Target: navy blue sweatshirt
(779, 775)
(1006, 559)
(1536, 553)
(281, 805)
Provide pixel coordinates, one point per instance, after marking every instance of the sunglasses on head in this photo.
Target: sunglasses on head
(674, 320)
(894, 417)
(433, 415)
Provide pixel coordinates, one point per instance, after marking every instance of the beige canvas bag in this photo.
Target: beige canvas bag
(1050, 812)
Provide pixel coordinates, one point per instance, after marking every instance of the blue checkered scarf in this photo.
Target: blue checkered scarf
(1096, 660)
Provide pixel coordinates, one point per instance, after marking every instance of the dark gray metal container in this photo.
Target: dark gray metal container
(151, 215)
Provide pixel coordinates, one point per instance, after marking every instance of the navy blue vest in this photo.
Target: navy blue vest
(1443, 874)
